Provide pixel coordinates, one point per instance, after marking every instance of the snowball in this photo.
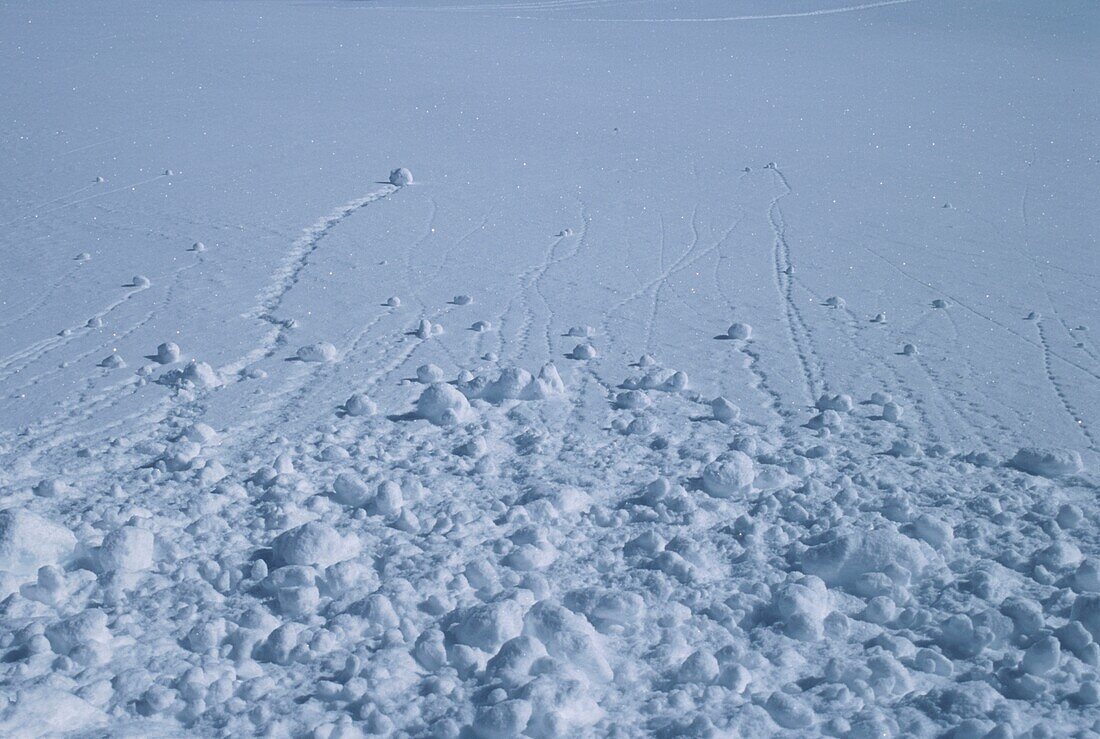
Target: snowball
(835, 402)
(482, 326)
(28, 542)
(583, 332)
(387, 500)
(350, 490)
(113, 361)
(314, 543)
(429, 373)
(126, 549)
(1047, 462)
(835, 302)
(700, 667)
(168, 352)
(198, 246)
(891, 412)
(322, 351)
(443, 405)
(939, 303)
(729, 475)
(584, 351)
(879, 318)
(401, 177)
(739, 331)
(909, 350)
(789, 711)
(360, 405)
(393, 301)
(462, 300)
(632, 400)
(140, 281)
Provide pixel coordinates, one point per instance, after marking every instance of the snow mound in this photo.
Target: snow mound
(196, 374)
(1047, 462)
(729, 475)
(314, 543)
(28, 542)
(443, 405)
(322, 351)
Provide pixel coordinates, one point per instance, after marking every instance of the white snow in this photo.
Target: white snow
(669, 471)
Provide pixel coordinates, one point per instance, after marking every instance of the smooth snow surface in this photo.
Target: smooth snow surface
(600, 428)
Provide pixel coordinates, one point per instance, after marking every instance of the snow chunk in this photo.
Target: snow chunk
(126, 549)
(503, 720)
(168, 353)
(443, 405)
(583, 352)
(724, 410)
(729, 475)
(429, 373)
(488, 626)
(49, 711)
(838, 402)
(841, 560)
(322, 351)
(196, 374)
(360, 405)
(568, 637)
(314, 543)
(401, 177)
(1047, 462)
(28, 542)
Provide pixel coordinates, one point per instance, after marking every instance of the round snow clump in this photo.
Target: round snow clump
(462, 300)
(401, 177)
(909, 350)
(168, 352)
(584, 351)
(442, 405)
(393, 301)
(730, 474)
(83, 256)
(891, 412)
(360, 405)
(28, 542)
(127, 549)
(838, 402)
(879, 318)
(724, 410)
(198, 246)
(482, 326)
(322, 351)
(429, 374)
(939, 303)
(1047, 462)
(582, 332)
(99, 180)
(113, 361)
(835, 302)
(140, 281)
(632, 400)
(739, 331)
(313, 543)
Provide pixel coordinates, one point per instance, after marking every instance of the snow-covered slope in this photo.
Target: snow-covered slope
(716, 369)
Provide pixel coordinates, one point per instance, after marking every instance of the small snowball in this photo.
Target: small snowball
(168, 352)
(313, 543)
(140, 281)
(401, 177)
(739, 332)
(198, 246)
(113, 361)
(462, 300)
(835, 302)
(729, 475)
(909, 350)
(482, 326)
(360, 405)
(891, 412)
(879, 318)
(127, 549)
(584, 351)
(322, 351)
(393, 302)
(443, 405)
(429, 373)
